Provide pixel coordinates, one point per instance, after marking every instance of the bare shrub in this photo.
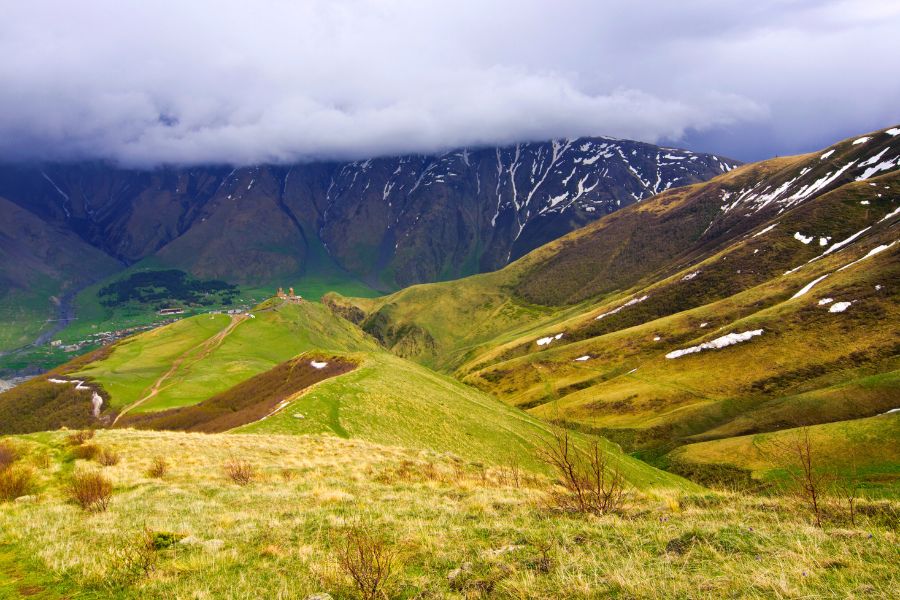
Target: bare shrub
(288, 475)
(808, 480)
(86, 451)
(589, 483)
(848, 489)
(16, 481)
(8, 454)
(509, 474)
(107, 457)
(240, 471)
(370, 561)
(79, 437)
(90, 490)
(159, 466)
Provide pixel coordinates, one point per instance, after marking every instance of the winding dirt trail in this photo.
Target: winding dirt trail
(205, 348)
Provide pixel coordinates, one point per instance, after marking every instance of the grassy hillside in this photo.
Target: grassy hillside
(39, 263)
(389, 400)
(189, 361)
(579, 330)
(459, 530)
(217, 372)
(860, 448)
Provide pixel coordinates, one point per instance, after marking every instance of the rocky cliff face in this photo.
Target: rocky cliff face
(389, 221)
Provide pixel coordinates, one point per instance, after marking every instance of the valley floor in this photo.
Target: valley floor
(458, 529)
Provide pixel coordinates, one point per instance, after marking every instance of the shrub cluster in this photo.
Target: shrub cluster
(370, 561)
(90, 490)
(589, 483)
(158, 467)
(16, 480)
(240, 471)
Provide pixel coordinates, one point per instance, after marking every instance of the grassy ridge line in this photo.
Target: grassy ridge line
(686, 397)
(389, 400)
(256, 346)
(621, 350)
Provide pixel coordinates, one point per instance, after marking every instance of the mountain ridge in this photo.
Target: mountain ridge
(392, 221)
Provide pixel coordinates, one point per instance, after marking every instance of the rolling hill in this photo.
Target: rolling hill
(286, 368)
(761, 300)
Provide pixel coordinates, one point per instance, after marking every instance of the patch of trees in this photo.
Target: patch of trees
(44, 406)
(166, 288)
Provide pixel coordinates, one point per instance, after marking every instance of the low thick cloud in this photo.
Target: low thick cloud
(144, 83)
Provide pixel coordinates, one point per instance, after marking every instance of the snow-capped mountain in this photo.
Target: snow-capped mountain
(390, 221)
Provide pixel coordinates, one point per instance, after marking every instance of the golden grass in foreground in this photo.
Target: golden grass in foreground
(459, 530)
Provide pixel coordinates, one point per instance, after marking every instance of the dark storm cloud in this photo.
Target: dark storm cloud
(246, 82)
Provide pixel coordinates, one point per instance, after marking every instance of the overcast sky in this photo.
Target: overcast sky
(201, 81)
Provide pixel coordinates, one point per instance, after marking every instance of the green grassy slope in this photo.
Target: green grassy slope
(860, 448)
(682, 269)
(393, 401)
(195, 358)
(386, 399)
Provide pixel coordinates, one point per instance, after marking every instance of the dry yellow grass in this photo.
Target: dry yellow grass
(462, 530)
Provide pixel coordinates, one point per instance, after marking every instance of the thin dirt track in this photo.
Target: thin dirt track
(205, 347)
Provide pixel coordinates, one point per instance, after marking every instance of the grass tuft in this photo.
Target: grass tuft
(108, 457)
(79, 437)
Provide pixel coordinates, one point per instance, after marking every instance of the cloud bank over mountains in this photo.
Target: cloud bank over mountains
(279, 81)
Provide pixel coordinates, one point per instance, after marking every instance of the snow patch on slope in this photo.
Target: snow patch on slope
(720, 342)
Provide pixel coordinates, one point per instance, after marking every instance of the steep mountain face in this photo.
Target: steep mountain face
(39, 264)
(388, 221)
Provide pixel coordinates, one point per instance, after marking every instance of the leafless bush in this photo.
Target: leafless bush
(589, 483)
(240, 471)
(158, 467)
(79, 437)
(808, 480)
(370, 561)
(90, 490)
(86, 451)
(15, 481)
(509, 474)
(848, 489)
(107, 457)
(8, 454)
